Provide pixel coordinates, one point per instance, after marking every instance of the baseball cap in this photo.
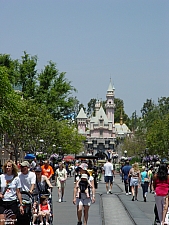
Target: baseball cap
(25, 163)
(38, 169)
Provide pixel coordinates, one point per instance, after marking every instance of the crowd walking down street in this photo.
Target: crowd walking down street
(108, 209)
(79, 200)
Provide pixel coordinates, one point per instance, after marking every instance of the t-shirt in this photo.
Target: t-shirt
(125, 171)
(143, 175)
(10, 193)
(47, 171)
(61, 174)
(27, 180)
(108, 168)
(42, 185)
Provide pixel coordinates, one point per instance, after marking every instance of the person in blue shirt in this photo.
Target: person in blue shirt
(125, 174)
(144, 182)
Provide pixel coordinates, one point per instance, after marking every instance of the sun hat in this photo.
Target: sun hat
(84, 176)
(83, 166)
(25, 163)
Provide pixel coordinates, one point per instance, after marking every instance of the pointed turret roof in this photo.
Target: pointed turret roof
(110, 88)
(81, 114)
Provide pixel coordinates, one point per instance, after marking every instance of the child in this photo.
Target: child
(35, 212)
(44, 210)
(83, 186)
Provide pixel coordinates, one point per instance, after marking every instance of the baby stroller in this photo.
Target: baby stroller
(26, 218)
(49, 196)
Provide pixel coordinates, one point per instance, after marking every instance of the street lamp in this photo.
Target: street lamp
(41, 144)
(147, 156)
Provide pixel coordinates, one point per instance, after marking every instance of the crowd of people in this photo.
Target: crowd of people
(37, 177)
(153, 179)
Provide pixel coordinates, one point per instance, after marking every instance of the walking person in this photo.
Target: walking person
(135, 180)
(109, 174)
(144, 182)
(27, 178)
(9, 193)
(83, 203)
(61, 177)
(161, 187)
(125, 175)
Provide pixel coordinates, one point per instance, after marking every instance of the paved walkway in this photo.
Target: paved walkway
(107, 210)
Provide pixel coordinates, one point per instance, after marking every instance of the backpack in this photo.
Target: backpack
(83, 185)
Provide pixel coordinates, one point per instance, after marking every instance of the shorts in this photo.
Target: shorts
(83, 200)
(12, 205)
(134, 181)
(108, 179)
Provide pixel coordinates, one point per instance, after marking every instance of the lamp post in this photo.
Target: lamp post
(41, 141)
(147, 156)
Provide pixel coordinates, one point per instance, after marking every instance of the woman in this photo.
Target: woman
(61, 176)
(161, 187)
(10, 185)
(144, 183)
(42, 182)
(134, 173)
(84, 202)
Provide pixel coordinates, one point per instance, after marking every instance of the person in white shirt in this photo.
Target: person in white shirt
(109, 174)
(9, 193)
(27, 178)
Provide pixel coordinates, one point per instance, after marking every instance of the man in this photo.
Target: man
(47, 170)
(108, 173)
(33, 164)
(125, 175)
(27, 178)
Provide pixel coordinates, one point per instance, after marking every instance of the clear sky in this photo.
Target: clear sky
(93, 40)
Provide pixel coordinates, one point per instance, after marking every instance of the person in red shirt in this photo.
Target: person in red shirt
(44, 210)
(47, 170)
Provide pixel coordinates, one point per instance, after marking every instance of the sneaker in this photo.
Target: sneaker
(133, 198)
(127, 193)
(110, 192)
(107, 192)
(41, 223)
(60, 200)
(145, 199)
(79, 223)
(47, 223)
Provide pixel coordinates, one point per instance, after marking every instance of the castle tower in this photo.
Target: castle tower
(110, 103)
(81, 121)
(97, 107)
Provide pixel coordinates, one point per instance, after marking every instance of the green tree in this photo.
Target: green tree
(54, 91)
(9, 101)
(91, 107)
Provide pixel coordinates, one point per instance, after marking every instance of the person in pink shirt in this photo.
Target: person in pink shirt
(161, 187)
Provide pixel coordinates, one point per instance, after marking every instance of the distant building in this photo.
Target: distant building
(100, 130)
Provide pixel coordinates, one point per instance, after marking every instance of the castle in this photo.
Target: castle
(100, 130)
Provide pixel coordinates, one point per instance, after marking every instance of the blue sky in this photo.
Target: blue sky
(93, 40)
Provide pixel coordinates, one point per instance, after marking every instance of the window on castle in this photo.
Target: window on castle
(101, 123)
(101, 133)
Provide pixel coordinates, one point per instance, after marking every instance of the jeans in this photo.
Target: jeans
(127, 185)
(145, 188)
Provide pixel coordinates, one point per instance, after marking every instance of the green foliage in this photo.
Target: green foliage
(30, 115)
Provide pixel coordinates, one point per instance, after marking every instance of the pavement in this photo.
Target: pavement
(109, 209)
